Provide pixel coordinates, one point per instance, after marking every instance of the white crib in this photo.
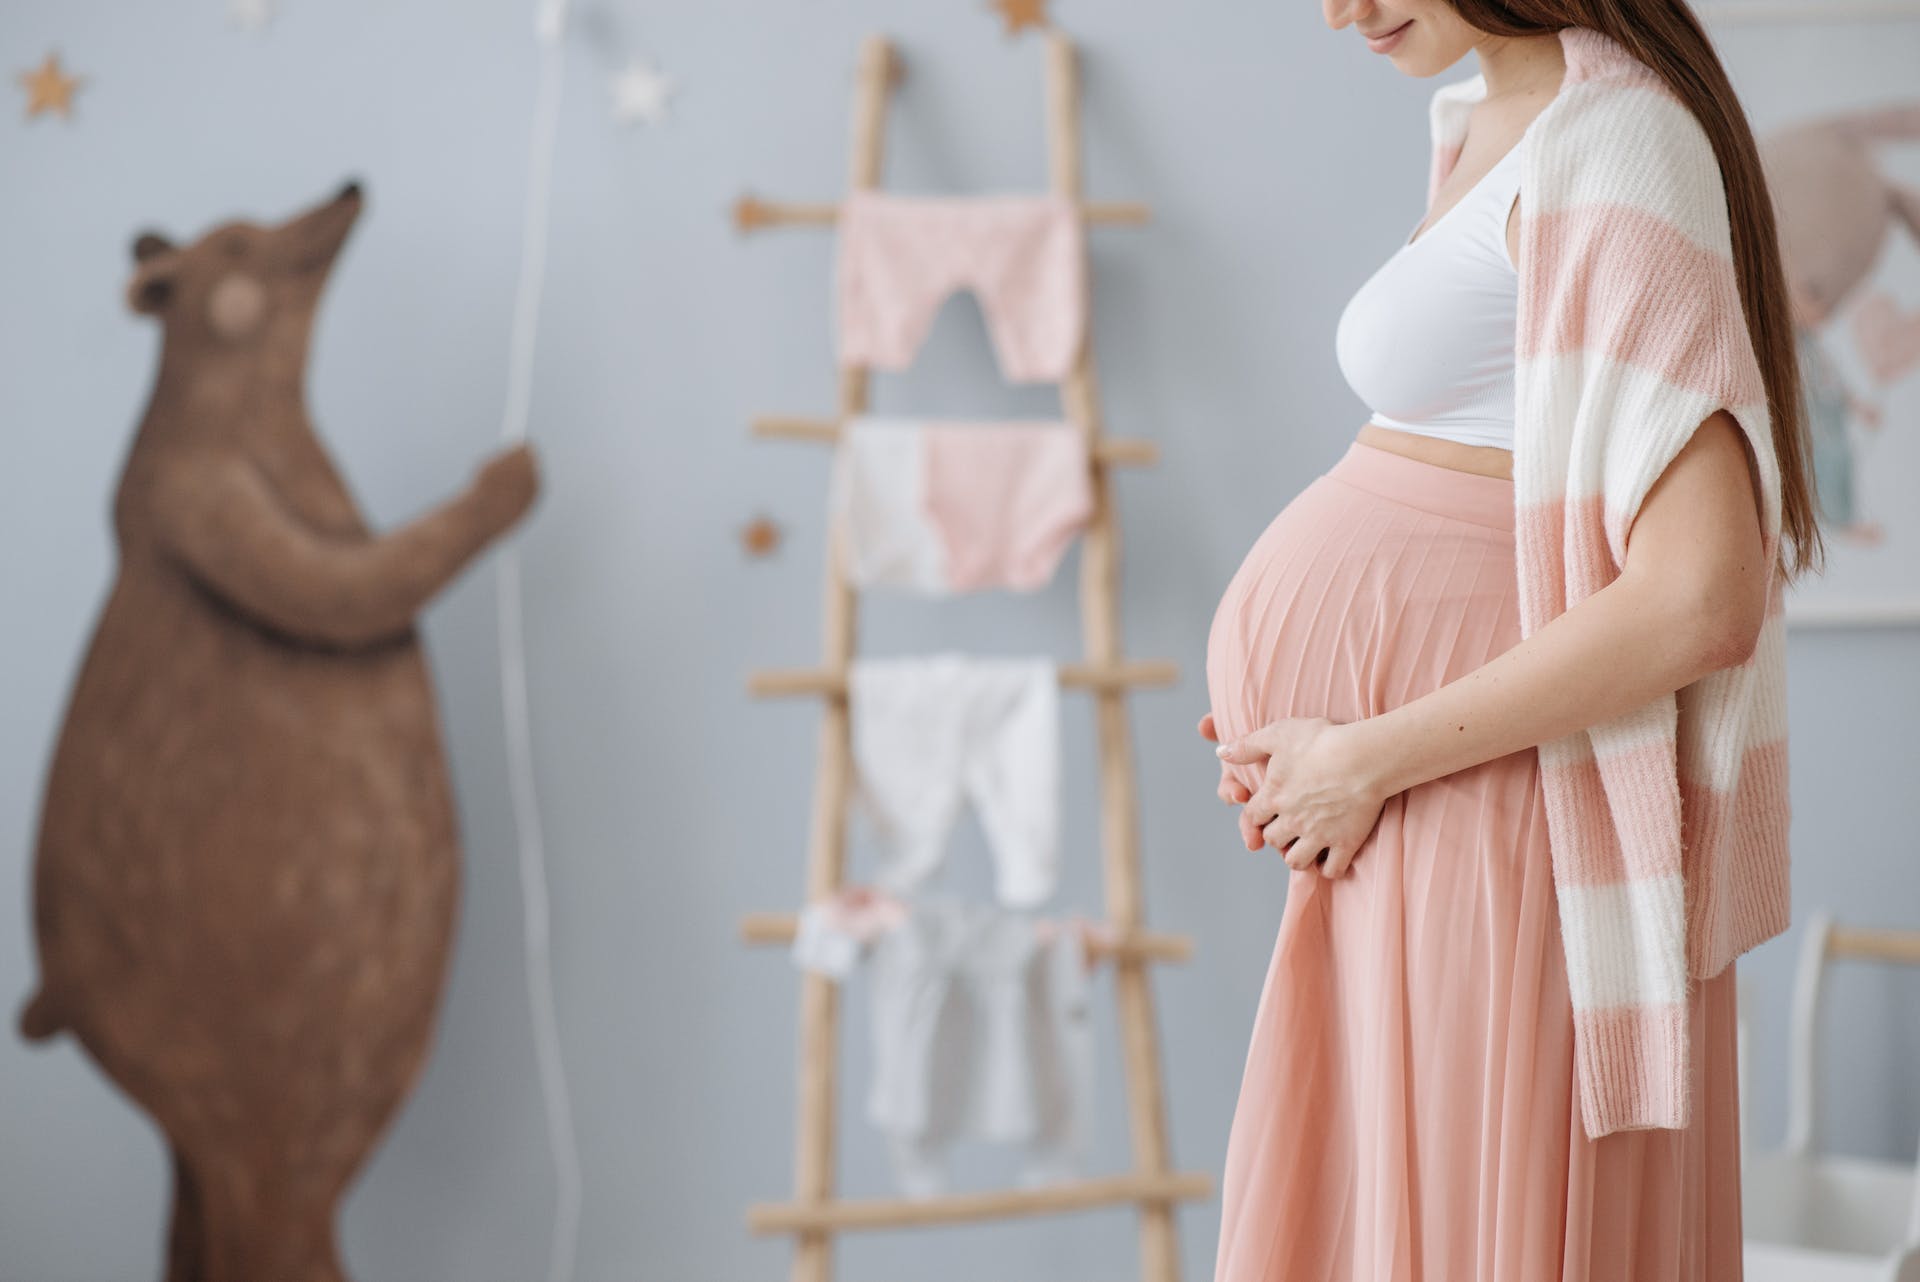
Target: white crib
(1815, 1217)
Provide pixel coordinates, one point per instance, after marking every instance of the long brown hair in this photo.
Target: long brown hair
(1668, 38)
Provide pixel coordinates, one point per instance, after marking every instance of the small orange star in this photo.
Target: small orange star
(1021, 14)
(749, 214)
(761, 535)
(49, 88)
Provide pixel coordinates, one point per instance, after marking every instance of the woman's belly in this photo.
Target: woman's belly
(1381, 579)
(1273, 650)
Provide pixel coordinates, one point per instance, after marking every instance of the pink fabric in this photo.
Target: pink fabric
(863, 912)
(1024, 257)
(1408, 1110)
(1007, 499)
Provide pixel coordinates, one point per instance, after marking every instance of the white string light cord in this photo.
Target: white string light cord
(550, 25)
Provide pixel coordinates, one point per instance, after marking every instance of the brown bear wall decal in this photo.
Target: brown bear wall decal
(248, 863)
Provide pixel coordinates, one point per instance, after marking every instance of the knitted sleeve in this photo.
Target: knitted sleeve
(1645, 252)
(1631, 333)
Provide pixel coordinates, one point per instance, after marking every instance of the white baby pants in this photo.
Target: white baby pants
(931, 730)
(981, 1028)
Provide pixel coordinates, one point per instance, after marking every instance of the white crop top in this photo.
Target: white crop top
(1427, 341)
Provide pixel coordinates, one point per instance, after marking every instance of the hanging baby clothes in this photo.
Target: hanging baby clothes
(981, 1029)
(930, 730)
(833, 932)
(941, 507)
(1023, 256)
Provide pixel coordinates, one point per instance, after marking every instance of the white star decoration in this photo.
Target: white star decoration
(250, 15)
(640, 93)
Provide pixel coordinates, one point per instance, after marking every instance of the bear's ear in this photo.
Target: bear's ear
(151, 288)
(150, 244)
(152, 285)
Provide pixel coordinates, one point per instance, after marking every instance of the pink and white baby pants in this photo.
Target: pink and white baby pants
(942, 506)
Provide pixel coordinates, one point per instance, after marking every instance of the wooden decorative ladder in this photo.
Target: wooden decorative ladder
(815, 1214)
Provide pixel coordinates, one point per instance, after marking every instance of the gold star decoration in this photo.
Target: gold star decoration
(1021, 14)
(760, 536)
(49, 88)
(749, 214)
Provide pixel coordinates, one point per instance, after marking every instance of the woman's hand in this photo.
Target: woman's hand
(1231, 790)
(1317, 794)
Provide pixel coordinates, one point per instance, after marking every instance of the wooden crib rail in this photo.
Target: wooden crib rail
(1824, 940)
(1873, 943)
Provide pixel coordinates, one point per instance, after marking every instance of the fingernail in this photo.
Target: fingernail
(1221, 751)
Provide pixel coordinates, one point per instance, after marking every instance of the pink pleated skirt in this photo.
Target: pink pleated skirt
(1407, 1112)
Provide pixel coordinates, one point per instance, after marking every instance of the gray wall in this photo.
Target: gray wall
(675, 803)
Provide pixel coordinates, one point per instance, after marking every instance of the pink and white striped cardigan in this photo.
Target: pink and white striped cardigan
(1668, 825)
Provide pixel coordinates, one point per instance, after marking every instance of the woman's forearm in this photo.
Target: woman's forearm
(1622, 646)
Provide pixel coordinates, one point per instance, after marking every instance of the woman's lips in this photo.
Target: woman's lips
(1383, 44)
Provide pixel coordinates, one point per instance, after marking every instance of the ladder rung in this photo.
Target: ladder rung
(779, 682)
(1113, 451)
(750, 213)
(959, 1208)
(1142, 945)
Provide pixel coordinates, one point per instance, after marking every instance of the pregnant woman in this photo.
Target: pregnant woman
(1505, 686)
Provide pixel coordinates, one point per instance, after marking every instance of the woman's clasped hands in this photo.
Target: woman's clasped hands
(1318, 802)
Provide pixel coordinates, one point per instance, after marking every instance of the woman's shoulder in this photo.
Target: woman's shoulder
(1596, 64)
(1625, 138)
(1614, 134)
(1611, 111)
(1628, 110)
